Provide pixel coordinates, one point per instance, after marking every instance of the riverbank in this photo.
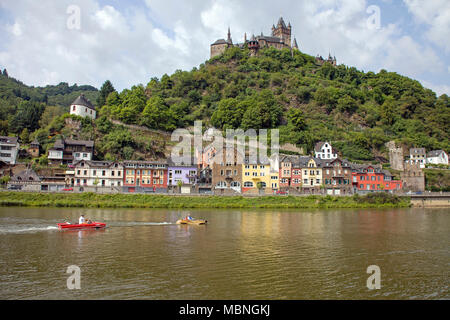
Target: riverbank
(93, 200)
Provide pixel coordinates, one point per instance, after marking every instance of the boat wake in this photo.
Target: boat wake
(137, 224)
(22, 229)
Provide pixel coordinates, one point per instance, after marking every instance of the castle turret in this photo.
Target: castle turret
(229, 41)
(253, 45)
(295, 45)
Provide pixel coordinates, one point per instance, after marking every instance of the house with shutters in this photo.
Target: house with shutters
(145, 176)
(89, 175)
(337, 177)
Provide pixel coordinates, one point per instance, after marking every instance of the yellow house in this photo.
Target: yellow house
(254, 175)
(311, 174)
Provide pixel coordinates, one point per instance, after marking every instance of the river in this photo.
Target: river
(240, 254)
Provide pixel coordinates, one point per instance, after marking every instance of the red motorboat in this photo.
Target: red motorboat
(74, 226)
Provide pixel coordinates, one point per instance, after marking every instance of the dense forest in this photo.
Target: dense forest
(357, 111)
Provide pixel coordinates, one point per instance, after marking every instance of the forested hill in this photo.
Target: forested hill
(357, 111)
(22, 106)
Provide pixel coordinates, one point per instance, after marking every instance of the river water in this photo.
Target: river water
(240, 254)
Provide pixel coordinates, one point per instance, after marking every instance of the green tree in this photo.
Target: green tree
(25, 136)
(27, 116)
(106, 89)
(388, 111)
(297, 119)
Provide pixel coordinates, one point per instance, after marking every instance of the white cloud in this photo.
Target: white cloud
(435, 14)
(131, 46)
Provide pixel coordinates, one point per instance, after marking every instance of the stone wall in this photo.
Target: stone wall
(413, 178)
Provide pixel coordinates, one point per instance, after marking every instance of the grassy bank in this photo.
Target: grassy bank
(92, 200)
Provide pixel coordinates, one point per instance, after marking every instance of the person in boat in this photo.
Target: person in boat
(82, 220)
(189, 218)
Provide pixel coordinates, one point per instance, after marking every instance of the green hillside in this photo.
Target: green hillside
(22, 107)
(357, 111)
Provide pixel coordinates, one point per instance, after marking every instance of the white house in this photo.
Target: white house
(98, 174)
(437, 157)
(418, 156)
(9, 147)
(83, 107)
(324, 150)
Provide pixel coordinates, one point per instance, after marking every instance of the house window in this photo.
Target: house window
(248, 184)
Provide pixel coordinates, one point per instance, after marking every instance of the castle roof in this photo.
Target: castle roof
(281, 22)
(220, 41)
(269, 39)
(83, 101)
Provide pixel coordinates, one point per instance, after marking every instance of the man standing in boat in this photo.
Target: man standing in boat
(81, 220)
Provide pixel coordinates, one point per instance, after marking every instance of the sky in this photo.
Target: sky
(46, 42)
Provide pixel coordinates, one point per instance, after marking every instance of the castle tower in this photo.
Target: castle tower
(283, 32)
(253, 45)
(229, 41)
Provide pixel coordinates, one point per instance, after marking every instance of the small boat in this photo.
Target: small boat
(75, 226)
(192, 221)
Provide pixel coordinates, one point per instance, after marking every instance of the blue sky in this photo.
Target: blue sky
(128, 42)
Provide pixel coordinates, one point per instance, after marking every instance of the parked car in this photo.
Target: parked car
(67, 189)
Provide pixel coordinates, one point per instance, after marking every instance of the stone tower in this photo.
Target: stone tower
(395, 156)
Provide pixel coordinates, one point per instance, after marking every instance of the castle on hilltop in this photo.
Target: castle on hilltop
(281, 38)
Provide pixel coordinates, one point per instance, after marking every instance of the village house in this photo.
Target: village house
(337, 177)
(183, 174)
(311, 174)
(34, 149)
(83, 107)
(418, 156)
(145, 176)
(324, 150)
(98, 175)
(26, 180)
(285, 172)
(372, 178)
(67, 151)
(437, 157)
(9, 148)
(226, 171)
(257, 177)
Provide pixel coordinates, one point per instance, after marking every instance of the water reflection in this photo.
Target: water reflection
(240, 254)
